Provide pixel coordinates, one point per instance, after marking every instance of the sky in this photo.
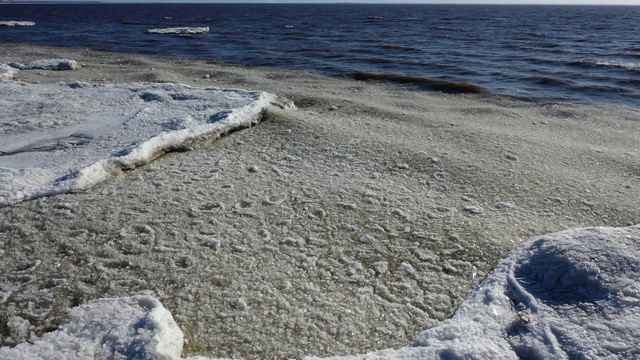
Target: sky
(537, 2)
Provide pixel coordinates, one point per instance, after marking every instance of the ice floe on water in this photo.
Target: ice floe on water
(69, 137)
(17, 23)
(180, 30)
(572, 294)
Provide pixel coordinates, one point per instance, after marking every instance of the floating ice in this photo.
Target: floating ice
(572, 294)
(180, 30)
(17, 23)
(68, 137)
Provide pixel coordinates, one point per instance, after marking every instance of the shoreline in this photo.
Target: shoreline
(265, 238)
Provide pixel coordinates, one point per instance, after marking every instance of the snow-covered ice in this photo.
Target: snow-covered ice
(136, 327)
(180, 30)
(46, 64)
(572, 294)
(69, 137)
(17, 23)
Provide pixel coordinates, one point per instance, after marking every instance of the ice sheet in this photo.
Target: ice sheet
(573, 294)
(69, 137)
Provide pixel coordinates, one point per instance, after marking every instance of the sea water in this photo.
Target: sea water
(579, 54)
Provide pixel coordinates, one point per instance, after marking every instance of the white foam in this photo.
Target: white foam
(68, 137)
(573, 294)
(180, 30)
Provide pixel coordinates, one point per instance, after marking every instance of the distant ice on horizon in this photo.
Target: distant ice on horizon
(17, 23)
(68, 137)
(179, 30)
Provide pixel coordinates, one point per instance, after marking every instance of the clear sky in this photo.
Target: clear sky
(551, 2)
(534, 2)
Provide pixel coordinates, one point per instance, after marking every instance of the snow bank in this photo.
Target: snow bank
(180, 30)
(137, 327)
(573, 294)
(17, 23)
(68, 137)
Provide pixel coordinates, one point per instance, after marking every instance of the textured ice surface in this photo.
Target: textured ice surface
(180, 30)
(572, 294)
(69, 137)
(569, 295)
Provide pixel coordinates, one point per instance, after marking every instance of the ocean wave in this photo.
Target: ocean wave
(604, 88)
(605, 64)
(423, 82)
(401, 48)
(547, 80)
(380, 61)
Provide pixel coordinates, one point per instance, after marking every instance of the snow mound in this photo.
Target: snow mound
(7, 72)
(17, 23)
(572, 294)
(68, 137)
(180, 30)
(137, 327)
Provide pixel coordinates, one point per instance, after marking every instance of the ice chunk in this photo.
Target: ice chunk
(136, 327)
(17, 23)
(51, 64)
(7, 72)
(180, 30)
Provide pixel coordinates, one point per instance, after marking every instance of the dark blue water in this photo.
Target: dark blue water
(581, 54)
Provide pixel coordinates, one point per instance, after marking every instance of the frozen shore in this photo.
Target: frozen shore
(348, 225)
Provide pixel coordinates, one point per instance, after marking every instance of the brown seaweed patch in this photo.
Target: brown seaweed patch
(423, 82)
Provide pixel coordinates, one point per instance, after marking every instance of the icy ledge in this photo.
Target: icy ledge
(572, 294)
(69, 137)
